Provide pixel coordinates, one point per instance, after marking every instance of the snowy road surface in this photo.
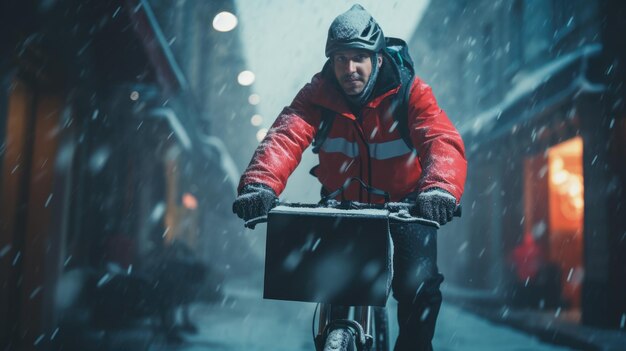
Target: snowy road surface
(244, 321)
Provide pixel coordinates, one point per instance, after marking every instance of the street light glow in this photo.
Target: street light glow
(245, 78)
(261, 134)
(256, 120)
(254, 99)
(224, 22)
(190, 201)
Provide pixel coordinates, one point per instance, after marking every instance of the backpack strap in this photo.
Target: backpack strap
(326, 123)
(401, 113)
(399, 54)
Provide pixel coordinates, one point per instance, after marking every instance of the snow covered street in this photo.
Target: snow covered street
(244, 321)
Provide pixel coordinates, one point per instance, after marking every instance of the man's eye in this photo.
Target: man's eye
(340, 59)
(360, 58)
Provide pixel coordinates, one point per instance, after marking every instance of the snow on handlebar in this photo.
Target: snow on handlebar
(398, 211)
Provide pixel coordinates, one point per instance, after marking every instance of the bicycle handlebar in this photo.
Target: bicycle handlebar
(401, 208)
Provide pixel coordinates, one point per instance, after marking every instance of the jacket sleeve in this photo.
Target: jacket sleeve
(280, 152)
(437, 142)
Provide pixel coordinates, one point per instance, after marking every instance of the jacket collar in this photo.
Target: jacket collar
(327, 92)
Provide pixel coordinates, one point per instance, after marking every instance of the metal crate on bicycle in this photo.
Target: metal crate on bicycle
(341, 255)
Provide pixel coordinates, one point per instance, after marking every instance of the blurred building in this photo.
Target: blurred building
(537, 90)
(112, 147)
(212, 61)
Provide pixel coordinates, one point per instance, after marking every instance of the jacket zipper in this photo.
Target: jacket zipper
(358, 123)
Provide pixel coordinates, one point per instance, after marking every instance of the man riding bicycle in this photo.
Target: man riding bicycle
(417, 158)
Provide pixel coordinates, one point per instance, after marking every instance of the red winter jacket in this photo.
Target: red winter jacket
(370, 147)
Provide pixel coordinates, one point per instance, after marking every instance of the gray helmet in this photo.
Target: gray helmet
(354, 29)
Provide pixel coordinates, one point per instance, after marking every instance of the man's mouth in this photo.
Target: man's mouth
(352, 79)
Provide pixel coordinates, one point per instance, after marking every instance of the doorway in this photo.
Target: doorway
(549, 254)
(566, 209)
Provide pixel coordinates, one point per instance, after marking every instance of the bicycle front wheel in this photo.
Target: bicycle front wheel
(340, 339)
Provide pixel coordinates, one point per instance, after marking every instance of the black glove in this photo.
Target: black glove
(254, 200)
(436, 205)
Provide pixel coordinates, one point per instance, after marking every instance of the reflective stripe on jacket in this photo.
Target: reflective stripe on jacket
(368, 146)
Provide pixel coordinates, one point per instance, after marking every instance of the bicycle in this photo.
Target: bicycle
(301, 238)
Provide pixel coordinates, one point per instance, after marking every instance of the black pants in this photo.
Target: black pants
(415, 285)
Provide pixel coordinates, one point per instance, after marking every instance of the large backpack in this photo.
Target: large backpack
(397, 50)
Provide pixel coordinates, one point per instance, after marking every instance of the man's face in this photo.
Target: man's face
(352, 69)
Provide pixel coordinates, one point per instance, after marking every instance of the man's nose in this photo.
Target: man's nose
(351, 66)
